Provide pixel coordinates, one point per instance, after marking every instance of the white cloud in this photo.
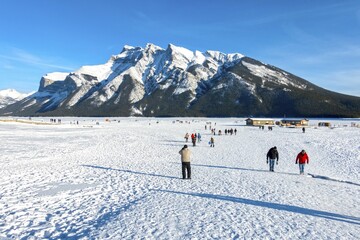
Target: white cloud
(19, 55)
(7, 66)
(342, 81)
(324, 56)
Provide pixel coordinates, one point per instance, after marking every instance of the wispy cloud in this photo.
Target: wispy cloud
(142, 16)
(345, 54)
(145, 20)
(19, 55)
(321, 11)
(7, 66)
(344, 81)
(348, 51)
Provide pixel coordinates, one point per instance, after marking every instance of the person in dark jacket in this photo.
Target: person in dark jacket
(271, 156)
(302, 158)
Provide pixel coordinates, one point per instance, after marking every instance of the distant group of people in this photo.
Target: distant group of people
(195, 137)
(230, 131)
(270, 128)
(227, 131)
(53, 120)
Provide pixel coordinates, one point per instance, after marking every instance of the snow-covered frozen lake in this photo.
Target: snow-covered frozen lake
(121, 179)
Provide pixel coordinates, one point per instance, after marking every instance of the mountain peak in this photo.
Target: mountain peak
(152, 48)
(127, 48)
(11, 93)
(10, 96)
(182, 51)
(222, 57)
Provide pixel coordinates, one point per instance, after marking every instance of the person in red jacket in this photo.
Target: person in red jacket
(302, 158)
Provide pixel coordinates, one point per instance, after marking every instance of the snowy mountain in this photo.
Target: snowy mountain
(175, 81)
(10, 96)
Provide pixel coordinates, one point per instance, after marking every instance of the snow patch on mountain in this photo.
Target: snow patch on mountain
(55, 100)
(198, 58)
(272, 76)
(135, 112)
(29, 104)
(56, 76)
(101, 72)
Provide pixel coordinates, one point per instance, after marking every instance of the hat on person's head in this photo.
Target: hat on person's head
(303, 150)
(185, 146)
(274, 147)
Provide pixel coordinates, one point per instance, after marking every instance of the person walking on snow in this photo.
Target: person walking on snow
(193, 139)
(185, 162)
(271, 156)
(199, 137)
(212, 142)
(302, 158)
(186, 137)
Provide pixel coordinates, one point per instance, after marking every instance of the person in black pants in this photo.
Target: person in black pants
(185, 162)
(272, 155)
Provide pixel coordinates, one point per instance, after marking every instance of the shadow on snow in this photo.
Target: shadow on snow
(276, 206)
(332, 179)
(237, 168)
(261, 170)
(129, 171)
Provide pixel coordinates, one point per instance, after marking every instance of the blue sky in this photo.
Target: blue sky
(318, 40)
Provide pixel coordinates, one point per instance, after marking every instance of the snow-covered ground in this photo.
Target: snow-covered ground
(122, 180)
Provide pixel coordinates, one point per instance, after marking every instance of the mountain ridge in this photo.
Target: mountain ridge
(177, 82)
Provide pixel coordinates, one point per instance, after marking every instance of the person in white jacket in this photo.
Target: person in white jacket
(185, 162)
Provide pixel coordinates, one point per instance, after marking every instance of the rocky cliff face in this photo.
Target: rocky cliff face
(175, 81)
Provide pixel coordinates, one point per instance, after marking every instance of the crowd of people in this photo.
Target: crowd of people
(272, 156)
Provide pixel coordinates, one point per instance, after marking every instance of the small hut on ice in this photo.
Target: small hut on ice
(294, 122)
(259, 122)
